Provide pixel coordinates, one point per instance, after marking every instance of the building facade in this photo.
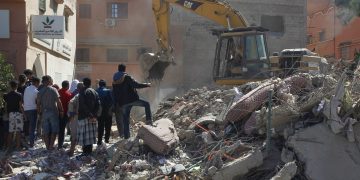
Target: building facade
(54, 57)
(111, 32)
(333, 32)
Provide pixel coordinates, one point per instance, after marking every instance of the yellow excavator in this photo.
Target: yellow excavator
(241, 53)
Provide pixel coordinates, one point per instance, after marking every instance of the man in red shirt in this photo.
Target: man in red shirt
(65, 97)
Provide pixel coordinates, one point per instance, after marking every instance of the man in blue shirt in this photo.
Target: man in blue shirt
(105, 119)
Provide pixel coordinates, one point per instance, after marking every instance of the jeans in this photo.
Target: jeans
(50, 122)
(104, 122)
(31, 116)
(126, 113)
(119, 120)
(62, 125)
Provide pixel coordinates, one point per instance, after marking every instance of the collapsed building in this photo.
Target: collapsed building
(301, 127)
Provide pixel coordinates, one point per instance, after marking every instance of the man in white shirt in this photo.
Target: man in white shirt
(30, 96)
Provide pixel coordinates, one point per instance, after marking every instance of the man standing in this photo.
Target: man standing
(22, 84)
(65, 97)
(105, 119)
(49, 105)
(73, 118)
(28, 73)
(14, 107)
(30, 96)
(126, 96)
(89, 104)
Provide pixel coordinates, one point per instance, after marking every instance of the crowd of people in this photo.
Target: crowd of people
(38, 108)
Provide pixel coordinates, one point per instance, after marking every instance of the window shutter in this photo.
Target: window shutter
(42, 5)
(109, 10)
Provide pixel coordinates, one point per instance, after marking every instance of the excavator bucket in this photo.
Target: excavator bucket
(153, 66)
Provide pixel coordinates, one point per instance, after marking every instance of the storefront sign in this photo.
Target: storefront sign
(63, 47)
(48, 27)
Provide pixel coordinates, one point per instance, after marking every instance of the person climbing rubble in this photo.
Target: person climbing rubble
(126, 96)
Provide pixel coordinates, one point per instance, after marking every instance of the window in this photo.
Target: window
(116, 55)
(54, 6)
(322, 36)
(42, 6)
(5, 24)
(345, 52)
(117, 10)
(66, 22)
(83, 54)
(85, 11)
(273, 23)
(309, 39)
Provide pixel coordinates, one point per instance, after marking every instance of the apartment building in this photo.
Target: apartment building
(330, 31)
(53, 57)
(110, 32)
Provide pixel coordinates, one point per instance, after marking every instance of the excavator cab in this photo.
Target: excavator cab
(241, 56)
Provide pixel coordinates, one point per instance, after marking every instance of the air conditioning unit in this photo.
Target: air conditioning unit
(110, 22)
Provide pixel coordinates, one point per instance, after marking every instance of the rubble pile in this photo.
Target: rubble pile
(301, 127)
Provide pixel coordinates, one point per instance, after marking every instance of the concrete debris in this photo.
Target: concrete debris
(287, 155)
(326, 155)
(350, 131)
(161, 137)
(202, 122)
(281, 116)
(240, 166)
(287, 172)
(249, 102)
(220, 133)
(207, 138)
(186, 135)
(212, 170)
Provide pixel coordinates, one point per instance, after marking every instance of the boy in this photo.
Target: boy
(14, 107)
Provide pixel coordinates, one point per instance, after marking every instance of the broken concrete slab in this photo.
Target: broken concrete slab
(356, 129)
(212, 170)
(205, 120)
(287, 155)
(249, 102)
(281, 116)
(186, 135)
(331, 156)
(287, 172)
(161, 137)
(240, 166)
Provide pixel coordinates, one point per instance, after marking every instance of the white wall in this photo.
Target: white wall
(59, 74)
(46, 60)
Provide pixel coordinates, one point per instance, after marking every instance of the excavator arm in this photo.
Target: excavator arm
(220, 12)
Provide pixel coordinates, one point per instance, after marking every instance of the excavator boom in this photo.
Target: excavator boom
(220, 12)
(217, 11)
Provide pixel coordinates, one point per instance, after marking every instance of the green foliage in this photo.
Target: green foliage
(6, 75)
(353, 5)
